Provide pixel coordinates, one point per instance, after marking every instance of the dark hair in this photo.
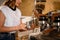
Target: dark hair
(9, 2)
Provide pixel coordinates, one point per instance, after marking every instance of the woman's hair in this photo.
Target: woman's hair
(8, 2)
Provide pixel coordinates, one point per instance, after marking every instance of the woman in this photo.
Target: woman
(10, 20)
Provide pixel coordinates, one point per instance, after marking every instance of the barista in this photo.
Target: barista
(10, 20)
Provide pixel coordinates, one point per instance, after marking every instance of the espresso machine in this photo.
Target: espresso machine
(56, 21)
(50, 23)
(42, 22)
(50, 26)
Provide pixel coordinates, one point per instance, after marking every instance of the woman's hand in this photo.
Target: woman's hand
(22, 27)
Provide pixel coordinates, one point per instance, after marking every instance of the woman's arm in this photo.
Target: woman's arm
(5, 29)
(8, 29)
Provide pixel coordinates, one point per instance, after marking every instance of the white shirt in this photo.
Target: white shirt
(12, 17)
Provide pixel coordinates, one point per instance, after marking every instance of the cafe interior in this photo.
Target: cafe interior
(42, 20)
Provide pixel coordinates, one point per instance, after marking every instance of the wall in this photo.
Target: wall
(51, 5)
(27, 7)
(1, 1)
